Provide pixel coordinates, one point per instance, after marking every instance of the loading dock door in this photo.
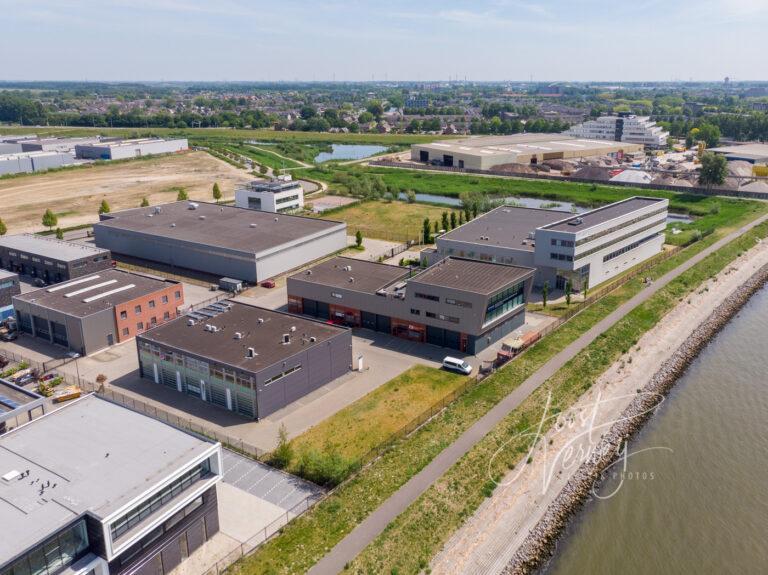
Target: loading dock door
(452, 339)
(323, 312)
(435, 335)
(447, 160)
(383, 324)
(423, 156)
(309, 306)
(368, 320)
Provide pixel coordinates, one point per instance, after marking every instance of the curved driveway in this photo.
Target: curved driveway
(348, 548)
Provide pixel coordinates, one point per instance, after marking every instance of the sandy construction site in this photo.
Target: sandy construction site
(75, 195)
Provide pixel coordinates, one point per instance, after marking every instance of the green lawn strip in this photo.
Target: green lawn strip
(262, 157)
(416, 535)
(305, 540)
(368, 422)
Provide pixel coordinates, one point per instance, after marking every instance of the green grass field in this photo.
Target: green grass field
(263, 156)
(309, 537)
(370, 421)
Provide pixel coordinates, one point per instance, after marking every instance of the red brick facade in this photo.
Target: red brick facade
(140, 314)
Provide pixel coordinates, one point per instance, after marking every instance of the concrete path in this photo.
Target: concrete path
(349, 547)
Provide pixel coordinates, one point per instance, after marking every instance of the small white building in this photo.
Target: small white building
(281, 194)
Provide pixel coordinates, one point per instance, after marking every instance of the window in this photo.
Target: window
(177, 294)
(430, 314)
(137, 309)
(140, 326)
(336, 295)
(151, 304)
(126, 331)
(153, 321)
(281, 375)
(167, 315)
(54, 554)
(458, 302)
(123, 314)
(164, 299)
(504, 301)
(415, 311)
(427, 296)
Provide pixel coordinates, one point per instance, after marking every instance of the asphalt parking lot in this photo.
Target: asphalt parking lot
(258, 479)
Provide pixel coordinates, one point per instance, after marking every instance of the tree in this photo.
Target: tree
(710, 134)
(144, 203)
(308, 112)
(585, 286)
(467, 213)
(182, 195)
(426, 235)
(3, 227)
(365, 118)
(104, 207)
(59, 234)
(375, 108)
(544, 293)
(50, 219)
(444, 221)
(216, 192)
(714, 169)
(461, 218)
(435, 226)
(410, 195)
(568, 292)
(283, 454)
(359, 239)
(453, 220)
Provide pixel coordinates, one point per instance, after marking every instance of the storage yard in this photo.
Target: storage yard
(75, 195)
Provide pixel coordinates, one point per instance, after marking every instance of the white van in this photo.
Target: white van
(459, 365)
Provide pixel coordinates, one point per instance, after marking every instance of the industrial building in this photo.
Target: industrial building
(60, 145)
(124, 149)
(243, 358)
(28, 162)
(586, 248)
(626, 128)
(754, 153)
(96, 311)
(18, 406)
(458, 303)
(226, 241)
(50, 259)
(9, 287)
(487, 152)
(281, 194)
(94, 488)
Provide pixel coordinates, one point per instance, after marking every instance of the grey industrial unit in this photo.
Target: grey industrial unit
(50, 259)
(243, 358)
(457, 303)
(90, 313)
(18, 405)
(9, 287)
(124, 149)
(222, 240)
(9, 148)
(95, 488)
(28, 162)
(63, 145)
(589, 247)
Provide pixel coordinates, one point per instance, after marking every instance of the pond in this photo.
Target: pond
(349, 152)
(528, 202)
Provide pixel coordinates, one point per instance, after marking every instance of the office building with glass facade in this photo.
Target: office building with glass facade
(93, 488)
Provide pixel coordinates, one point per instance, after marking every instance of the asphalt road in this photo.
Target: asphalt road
(349, 547)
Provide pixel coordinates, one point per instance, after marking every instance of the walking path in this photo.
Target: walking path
(349, 547)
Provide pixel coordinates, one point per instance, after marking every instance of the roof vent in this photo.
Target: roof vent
(347, 268)
(312, 339)
(173, 225)
(250, 352)
(191, 322)
(351, 280)
(286, 338)
(11, 475)
(276, 219)
(576, 222)
(260, 320)
(238, 335)
(293, 328)
(158, 210)
(253, 225)
(309, 272)
(193, 205)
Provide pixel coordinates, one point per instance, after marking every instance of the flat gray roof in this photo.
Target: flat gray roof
(109, 287)
(90, 456)
(472, 275)
(505, 226)
(50, 247)
(753, 151)
(525, 144)
(265, 336)
(601, 215)
(369, 277)
(13, 397)
(227, 227)
(5, 274)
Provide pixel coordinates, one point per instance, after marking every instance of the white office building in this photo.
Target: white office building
(622, 128)
(281, 194)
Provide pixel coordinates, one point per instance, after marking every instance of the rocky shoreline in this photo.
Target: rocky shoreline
(539, 544)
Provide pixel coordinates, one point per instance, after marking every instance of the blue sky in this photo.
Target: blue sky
(386, 39)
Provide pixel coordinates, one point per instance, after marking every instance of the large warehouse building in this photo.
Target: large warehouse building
(244, 358)
(28, 162)
(229, 242)
(123, 149)
(93, 488)
(590, 247)
(487, 152)
(96, 311)
(457, 303)
(50, 259)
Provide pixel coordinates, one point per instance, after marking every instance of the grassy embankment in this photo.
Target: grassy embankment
(309, 537)
(263, 157)
(419, 533)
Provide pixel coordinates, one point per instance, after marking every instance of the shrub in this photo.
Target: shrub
(326, 468)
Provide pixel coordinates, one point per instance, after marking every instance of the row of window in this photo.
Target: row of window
(458, 302)
(139, 513)
(151, 304)
(563, 243)
(433, 315)
(505, 301)
(622, 225)
(619, 239)
(53, 555)
(152, 323)
(631, 246)
(428, 296)
(281, 375)
(560, 257)
(286, 199)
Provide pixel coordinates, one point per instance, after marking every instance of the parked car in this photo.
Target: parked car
(268, 284)
(457, 365)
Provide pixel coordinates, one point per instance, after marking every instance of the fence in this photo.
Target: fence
(538, 176)
(207, 302)
(391, 252)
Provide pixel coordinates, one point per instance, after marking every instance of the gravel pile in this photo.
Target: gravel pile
(539, 544)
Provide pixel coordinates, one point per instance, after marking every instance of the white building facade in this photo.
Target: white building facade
(279, 195)
(622, 128)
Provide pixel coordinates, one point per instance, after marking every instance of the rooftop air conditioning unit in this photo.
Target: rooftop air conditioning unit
(158, 210)
(286, 338)
(191, 322)
(293, 328)
(193, 205)
(576, 222)
(250, 352)
(351, 280)
(253, 225)
(260, 320)
(238, 335)
(312, 339)
(347, 268)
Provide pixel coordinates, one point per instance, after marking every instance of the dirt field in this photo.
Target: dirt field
(75, 195)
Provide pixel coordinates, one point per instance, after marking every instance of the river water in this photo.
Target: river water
(704, 507)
